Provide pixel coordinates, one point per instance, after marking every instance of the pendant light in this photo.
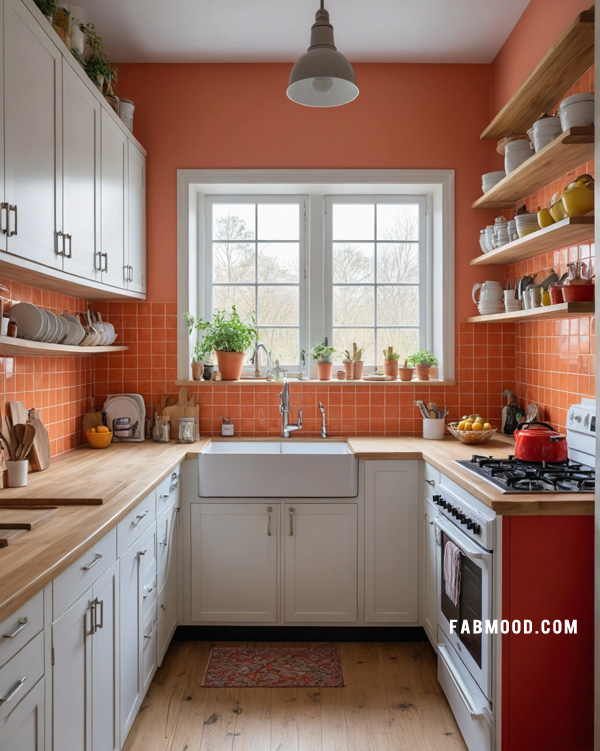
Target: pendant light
(322, 77)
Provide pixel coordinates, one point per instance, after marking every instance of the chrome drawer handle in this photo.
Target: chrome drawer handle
(15, 231)
(23, 623)
(292, 522)
(269, 512)
(138, 519)
(151, 634)
(163, 495)
(97, 558)
(162, 607)
(99, 604)
(14, 691)
(143, 552)
(3, 208)
(163, 542)
(430, 482)
(173, 486)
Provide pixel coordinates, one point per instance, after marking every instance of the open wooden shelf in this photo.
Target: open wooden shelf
(560, 68)
(9, 345)
(548, 311)
(571, 231)
(568, 150)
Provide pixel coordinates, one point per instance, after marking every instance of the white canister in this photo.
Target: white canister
(515, 153)
(433, 428)
(77, 39)
(126, 108)
(17, 473)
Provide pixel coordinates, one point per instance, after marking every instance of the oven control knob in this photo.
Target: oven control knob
(443, 503)
(477, 529)
(462, 518)
(437, 499)
(470, 524)
(455, 512)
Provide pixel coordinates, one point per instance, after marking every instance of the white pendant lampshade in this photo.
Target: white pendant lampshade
(322, 77)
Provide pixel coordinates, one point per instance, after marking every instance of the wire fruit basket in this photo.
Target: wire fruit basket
(471, 437)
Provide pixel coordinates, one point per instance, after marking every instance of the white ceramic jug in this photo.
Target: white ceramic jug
(490, 292)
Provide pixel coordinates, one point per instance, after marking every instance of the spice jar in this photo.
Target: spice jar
(187, 429)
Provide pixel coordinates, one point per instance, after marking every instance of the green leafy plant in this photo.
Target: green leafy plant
(356, 355)
(387, 355)
(95, 62)
(47, 7)
(422, 357)
(226, 332)
(322, 352)
(406, 365)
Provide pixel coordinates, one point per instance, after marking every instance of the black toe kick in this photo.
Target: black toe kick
(301, 633)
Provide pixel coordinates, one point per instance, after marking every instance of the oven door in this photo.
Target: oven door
(474, 604)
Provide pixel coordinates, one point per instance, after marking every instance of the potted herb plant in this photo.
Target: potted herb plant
(390, 363)
(406, 372)
(423, 360)
(197, 362)
(48, 8)
(96, 64)
(322, 353)
(353, 364)
(229, 337)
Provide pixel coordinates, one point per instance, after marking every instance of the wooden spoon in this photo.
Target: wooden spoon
(18, 432)
(28, 439)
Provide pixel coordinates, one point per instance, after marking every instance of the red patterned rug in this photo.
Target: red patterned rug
(273, 667)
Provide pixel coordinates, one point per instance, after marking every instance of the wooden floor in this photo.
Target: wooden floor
(391, 701)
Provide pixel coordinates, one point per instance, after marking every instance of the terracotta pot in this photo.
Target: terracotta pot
(197, 370)
(390, 368)
(230, 365)
(324, 370)
(405, 374)
(349, 368)
(423, 371)
(358, 370)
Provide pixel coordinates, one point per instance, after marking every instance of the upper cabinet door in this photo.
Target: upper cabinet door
(81, 177)
(114, 203)
(32, 124)
(137, 221)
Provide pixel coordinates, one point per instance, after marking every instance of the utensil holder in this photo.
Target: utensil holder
(433, 428)
(17, 473)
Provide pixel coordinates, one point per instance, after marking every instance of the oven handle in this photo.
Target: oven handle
(458, 684)
(471, 552)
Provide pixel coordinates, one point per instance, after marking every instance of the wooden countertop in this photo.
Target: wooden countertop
(39, 556)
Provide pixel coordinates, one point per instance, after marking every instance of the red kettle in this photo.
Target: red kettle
(539, 442)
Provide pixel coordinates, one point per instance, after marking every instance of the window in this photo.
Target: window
(361, 256)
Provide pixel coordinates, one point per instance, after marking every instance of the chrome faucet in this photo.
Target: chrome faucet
(256, 362)
(284, 408)
(323, 424)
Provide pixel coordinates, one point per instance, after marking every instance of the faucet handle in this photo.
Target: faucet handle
(321, 408)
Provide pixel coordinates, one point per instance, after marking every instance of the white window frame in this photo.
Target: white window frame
(193, 186)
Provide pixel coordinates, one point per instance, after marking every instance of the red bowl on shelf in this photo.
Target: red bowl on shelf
(579, 292)
(556, 294)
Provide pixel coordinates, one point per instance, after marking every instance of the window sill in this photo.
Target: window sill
(311, 382)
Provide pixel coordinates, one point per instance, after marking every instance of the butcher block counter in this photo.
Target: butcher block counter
(129, 471)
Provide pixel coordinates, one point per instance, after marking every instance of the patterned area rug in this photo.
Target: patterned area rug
(273, 667)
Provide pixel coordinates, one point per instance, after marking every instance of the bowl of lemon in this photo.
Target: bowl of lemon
(472, 429)
(99, 437)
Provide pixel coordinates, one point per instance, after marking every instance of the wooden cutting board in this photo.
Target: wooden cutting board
(17, 413)
(10, 535)
(92, 420)
(39, 456)
(64, 496)
(25, 517)
(186, 407)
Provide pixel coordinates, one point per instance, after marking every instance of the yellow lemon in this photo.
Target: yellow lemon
(477, 426)
(468, 426)
(102, 429)
(461, 425)
(487, 426)
(92, 430)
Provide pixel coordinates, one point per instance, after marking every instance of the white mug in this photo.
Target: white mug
(509, 294)
(490, 292)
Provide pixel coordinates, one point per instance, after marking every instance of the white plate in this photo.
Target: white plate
(52, 327)
(29, 320)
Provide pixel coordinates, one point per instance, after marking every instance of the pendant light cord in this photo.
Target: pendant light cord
(322, 4)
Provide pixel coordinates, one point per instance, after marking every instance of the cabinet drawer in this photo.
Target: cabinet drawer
(72, 583)
(168, 491)
(20, 674)
(431, 481)
(147, 552)
(149, 595)
(136, 523)
(21, 627)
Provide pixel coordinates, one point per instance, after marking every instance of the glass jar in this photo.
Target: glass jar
(187, 429)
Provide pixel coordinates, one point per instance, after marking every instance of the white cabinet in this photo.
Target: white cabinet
(234, 562)
(430, 578)
(167, 561)
(85, 676)
(391, 541)
(320, 562)
(135, 266)
(32, 137)
(23, 728)
(78, 239)
(113, 172)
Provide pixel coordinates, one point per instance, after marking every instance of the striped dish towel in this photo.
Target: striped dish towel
(452, 557)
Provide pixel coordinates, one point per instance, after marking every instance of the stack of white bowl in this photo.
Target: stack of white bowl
(512, 230)
(526, 224)
(511, 303)
(490, 307)
(576, 111)
(544, 131)
(490, 179)
(515, 153)
(501, 234)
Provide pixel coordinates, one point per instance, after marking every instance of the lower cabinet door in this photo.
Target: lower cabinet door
(129, 639)
(320, 562)
(234, 562)
(23, 728)
(430, 577)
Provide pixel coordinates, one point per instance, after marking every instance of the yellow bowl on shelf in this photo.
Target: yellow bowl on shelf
(577, 200)
(557, 210)
(99, 440)
(471, 437)
(527, 229)
(545, 218)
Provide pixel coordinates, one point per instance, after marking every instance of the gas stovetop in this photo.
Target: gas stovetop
(515, 476)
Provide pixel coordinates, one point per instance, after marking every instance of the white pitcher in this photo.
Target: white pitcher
(489, 292)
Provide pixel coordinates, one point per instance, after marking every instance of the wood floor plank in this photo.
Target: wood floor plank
(284, 726)
(253, 723)
(358, 729)
(308, 718)
(333, 720)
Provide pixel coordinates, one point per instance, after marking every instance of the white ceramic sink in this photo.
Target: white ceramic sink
(277, 469)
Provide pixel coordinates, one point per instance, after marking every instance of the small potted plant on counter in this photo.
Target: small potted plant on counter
(322, 353)
(197, 362)
(423, 360)
(229, 336)
(390, 363)
(406, 372)
(353, 364)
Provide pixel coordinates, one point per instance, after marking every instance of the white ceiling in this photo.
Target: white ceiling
(426, 31)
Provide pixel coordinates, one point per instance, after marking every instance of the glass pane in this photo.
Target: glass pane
(279, 306)
(404, 341)
(398, 262)
(397, 221)
(353, 263)
(232, 221)
(233, 262)
(283, 343)
(397, 306)
(353, 306)
(279, 262)
(364, 338)
(278, 221)
(353, 221)
(241, 297)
